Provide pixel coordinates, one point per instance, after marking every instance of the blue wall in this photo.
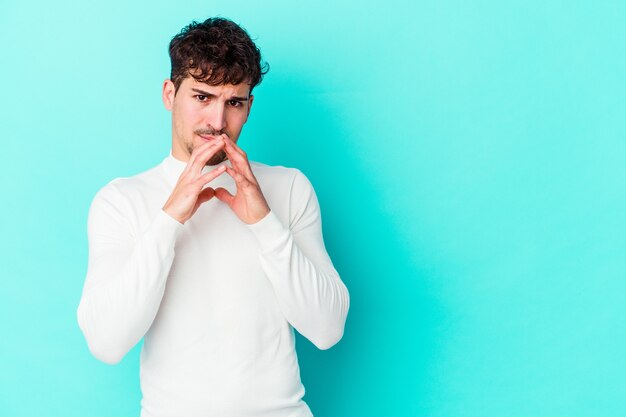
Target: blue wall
(469, 158)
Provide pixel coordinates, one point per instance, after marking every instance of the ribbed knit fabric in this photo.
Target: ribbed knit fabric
(215, 300)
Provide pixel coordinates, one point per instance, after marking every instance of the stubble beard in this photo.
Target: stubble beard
(215, 159)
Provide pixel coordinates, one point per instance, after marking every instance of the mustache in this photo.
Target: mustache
(210, 131)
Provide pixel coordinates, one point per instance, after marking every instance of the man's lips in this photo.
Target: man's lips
(207, 138)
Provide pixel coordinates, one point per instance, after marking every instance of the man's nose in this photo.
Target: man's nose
(215, 116)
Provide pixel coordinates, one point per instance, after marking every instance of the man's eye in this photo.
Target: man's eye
(234, 103)
(200, 97)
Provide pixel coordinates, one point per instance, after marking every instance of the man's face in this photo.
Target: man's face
(201, 111)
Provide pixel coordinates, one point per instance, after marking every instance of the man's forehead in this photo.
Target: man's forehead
(241, 89)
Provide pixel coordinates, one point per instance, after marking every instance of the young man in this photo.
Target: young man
(211, 258)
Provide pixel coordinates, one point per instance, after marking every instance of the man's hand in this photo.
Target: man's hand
(189, 191)
(248, 203)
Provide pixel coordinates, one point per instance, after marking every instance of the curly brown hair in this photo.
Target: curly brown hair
(216, 51)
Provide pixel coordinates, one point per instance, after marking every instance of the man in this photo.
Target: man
(211, 258)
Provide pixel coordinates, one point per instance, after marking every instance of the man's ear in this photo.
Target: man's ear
(169, 91)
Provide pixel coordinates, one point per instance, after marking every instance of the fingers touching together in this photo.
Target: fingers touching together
(248, 202)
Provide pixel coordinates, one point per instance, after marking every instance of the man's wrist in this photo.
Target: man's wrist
(260, 216)
(167, 210)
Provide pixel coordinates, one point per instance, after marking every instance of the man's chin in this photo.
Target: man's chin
(217, 158)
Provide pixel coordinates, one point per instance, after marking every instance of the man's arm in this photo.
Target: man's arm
(126, 275)
(128, 268)
(310, 293)
(308, 288)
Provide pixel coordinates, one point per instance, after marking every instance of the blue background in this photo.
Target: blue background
(468, 156)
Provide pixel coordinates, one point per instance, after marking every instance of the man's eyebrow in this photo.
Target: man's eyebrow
(206, 93)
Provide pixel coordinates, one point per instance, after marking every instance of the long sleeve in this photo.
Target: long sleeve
(126, 274)
(310, 293)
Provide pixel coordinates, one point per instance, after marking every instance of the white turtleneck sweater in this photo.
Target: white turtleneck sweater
(215, 300)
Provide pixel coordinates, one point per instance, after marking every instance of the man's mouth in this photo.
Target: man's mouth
(207, 137)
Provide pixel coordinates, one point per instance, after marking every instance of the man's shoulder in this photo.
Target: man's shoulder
(137, 184)
(281, 173)
(283, 182)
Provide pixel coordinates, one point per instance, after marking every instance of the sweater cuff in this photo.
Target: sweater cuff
(165, 227)
(269, 232)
